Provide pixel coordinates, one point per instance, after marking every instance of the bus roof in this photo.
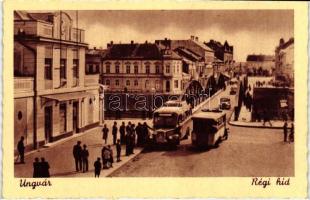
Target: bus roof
(208, 115)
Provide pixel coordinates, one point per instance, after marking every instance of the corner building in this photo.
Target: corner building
(53, 97)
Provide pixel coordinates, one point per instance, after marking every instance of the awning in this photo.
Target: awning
(67, 96)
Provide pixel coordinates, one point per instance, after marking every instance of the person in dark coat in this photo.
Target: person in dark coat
(145, 132)
(97, 165)
(105, 132)
(77, 154)
(122, 133)
(21, 149)
(291, 136)
(139, 134)
(285, 131)
(114, 132)
(44, 168)
(266, 118)
(36, 168)
(85, 155)
(118, 150)
(128, 127)
(132, 139)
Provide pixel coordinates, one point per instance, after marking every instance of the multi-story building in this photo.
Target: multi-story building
(284, 61)
(260, 64)
(53, 97)
(141, 68)
(224, 55)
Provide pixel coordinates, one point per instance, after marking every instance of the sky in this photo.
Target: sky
(249, 31)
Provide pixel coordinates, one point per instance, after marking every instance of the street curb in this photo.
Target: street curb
(124, 163)
(251, 126)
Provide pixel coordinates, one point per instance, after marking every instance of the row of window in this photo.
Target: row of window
(48, 68)
(136, 69)
(147, 83)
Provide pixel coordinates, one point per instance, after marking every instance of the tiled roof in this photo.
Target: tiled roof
(260, 58)
(131, 51)
(188, 54)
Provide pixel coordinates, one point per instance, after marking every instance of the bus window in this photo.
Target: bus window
(165, 120)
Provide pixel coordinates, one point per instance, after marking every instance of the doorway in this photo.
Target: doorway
(48, 123)
(75, 116)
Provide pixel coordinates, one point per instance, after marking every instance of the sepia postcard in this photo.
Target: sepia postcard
(143, 99)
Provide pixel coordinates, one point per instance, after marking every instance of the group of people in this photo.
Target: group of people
(80, 157)
(285, 132)
(40, 169)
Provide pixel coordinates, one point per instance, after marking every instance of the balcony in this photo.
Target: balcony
(34, 28)
(91, 80)
(23, 85)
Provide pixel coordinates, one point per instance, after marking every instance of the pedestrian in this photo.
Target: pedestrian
(139, 134)
(97, 165)
(111, 160)
(77, 154)
(291, 136)
(21, 149)
(266, 118)
(105, 132)
(105, 154)
(145, 132)
(285, 131)
(128, 127)
(118, 150)
(132, 139)
(36, 168)
(85, 155)
(44, 168)
(122, 133)
(114, 132)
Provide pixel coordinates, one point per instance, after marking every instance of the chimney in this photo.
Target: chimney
(95, 48)
(111, 42)
(146, 42)
(192, 37)
(131, 42)
(196, 38)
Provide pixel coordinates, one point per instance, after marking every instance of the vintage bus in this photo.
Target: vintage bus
(209, 128)
(170, 126)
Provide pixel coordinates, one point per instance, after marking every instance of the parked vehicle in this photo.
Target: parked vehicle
(209, 129)
(169, 126)
(184, 107)
(225, 103)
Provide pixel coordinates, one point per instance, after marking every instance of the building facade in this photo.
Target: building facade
(284, 61)
(141, 68)
(53, 97)
(224, 55)
(260, 64)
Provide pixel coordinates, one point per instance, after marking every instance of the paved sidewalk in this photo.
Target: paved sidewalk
(60, 158)
(244, 120)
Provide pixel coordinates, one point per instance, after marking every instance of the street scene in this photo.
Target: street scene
(153, 94)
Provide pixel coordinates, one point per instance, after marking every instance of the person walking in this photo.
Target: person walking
(114, 132)
(77, 154)
(118, 150)
(36, 168)
(97, 166)
(105, 154)
(44, 168)
(105, 132)
(266, 118)
(85, 155)
(145, 132)
(285, 131)
(122, 133)
(21, 149)
(291, 136)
